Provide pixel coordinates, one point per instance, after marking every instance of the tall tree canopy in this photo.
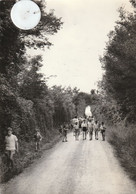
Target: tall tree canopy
(21, 85)
(13, 41)
(119, 63)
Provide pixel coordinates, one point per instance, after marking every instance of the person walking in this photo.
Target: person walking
(96, 129)
(38, 139)
(77, 131)
(74, 121)
(64, 133)
(11, 146)
(84, 129)
(103, 129)
(80, 122)
(90, 129)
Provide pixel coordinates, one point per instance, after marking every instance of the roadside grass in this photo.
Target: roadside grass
(123, 140)
(26, 156)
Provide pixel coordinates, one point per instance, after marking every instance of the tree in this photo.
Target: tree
(16, 100)
(81, 100)
(64, 108)
(119, 63)
(33, 84)
(13, 41)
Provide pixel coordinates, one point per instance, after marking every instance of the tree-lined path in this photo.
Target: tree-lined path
(75, 167)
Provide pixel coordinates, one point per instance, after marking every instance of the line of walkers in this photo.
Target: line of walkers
(78, 125)
(84, 126)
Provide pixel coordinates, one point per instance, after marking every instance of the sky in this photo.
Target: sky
(74, 58)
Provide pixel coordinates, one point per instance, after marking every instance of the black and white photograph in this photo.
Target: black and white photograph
(67, 96)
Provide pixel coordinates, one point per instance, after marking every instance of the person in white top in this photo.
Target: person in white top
(75, 121)
(11, 145)
(103, 129)
(77, 131)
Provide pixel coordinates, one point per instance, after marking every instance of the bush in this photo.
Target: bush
(124, 141)
(26, 155)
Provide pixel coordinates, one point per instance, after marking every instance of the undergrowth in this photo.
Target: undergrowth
(25, 157)
(124, 141)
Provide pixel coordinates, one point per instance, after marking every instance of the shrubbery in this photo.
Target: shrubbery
(123, 140)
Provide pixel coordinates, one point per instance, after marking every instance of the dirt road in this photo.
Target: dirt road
(75, 167)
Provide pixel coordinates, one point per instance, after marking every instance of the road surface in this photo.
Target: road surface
(75, 167)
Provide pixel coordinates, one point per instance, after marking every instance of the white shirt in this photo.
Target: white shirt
(75, 120)
(102, 127)
(84, 124)
(76, 126)
(90, 125)
(96, 126)
(11, 142)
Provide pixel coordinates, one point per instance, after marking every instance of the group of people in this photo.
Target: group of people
(85, 126)
(11, 145)
(78, 125)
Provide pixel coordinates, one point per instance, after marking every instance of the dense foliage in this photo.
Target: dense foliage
(25, 99)
(116, 103)
(119, 63)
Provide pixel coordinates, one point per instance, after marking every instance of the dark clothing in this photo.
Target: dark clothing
(65, 132)
(103, 134)
(37, 137)
(84, 128)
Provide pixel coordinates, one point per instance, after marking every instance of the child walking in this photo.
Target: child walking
(103, 128)
(11, 146)
(90, 129)
(77, 131)
(38, 139)
(84, 129)
(64, 133)
(96, 128)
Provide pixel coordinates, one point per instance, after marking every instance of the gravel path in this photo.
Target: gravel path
(75, 167)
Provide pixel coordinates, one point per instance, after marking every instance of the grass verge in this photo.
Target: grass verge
(123, 140)
(26, 156)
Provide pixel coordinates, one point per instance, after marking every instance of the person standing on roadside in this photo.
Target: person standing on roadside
(38, 139)
(11, 146)
(84, 129)
(64, 132)
(102, 129)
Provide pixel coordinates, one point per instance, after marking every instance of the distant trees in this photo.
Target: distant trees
(64, 108)
(119, 63)
(81, 100)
